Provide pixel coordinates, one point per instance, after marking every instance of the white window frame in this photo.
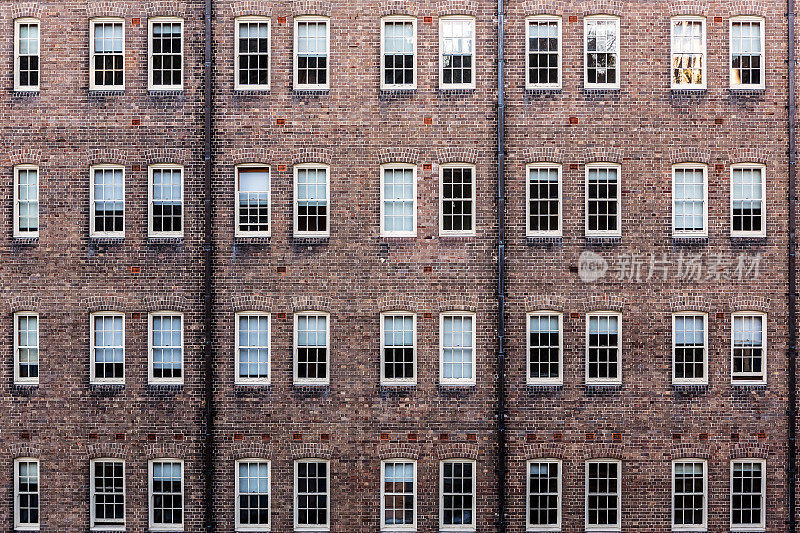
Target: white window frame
(689, 86)
(105, 381)
(598, 381)
(544, 381)
(457, 527)
(17, 86)
(150, 506)
(763, 169)
(528, 525)
(393, 86)
(458, 381)
(690, 381)
(150, 362)
(586, 21)
(248, 86)
(238, 379)
(761, 526)
(150, 231)
(17, 379)
(704, 525)
(395, 527)
(764, 347)
(17, 232)
(238, 232)
(248, 527)
(92, 23)
(442, 21)
(535, 86)
(296, 200)
(528, 231)
(105, 234)
(603, 233)
(312, 86)
(18, 526)
(747, 86)
(398, 382)
(688, 233)
(402, 166)
(442, 231)
(610, 527)
(295, 362)
(103, 527)
(295, 507)
(150, 84)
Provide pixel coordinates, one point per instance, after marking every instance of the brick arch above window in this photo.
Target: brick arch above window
(688, 154)
(750, 450)
(603, 302)
(601, 154)
(398, 7)
(310, 154)
(545, 450)
(261, 8)
(457, 7)
(457, 450)
(18, 450)
(750, 154)
(311, 303)
(310, 450)
(411, 304)
(252, 302)
(94, 304)
(165, 8)
(112, 450)
(165, 450)
(248, 450)
(24, 303)
(101, 8)
(540, 154)
(692, 8)
(110, 156)
(535, 302)
(601, 450)
(750, 302)
(172, 156)
(743, 8)
(691, 450)
(311, 7)
(398, 451)
(26, 9)
(689, 302)
(173, 302)
(455, 303)
(603, 7)
(458, 154)
(399, 155)
(24, 156)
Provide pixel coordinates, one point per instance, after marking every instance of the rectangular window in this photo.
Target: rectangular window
(544, 348)
(603, 480)
(689, 201)
(457, 357)
(688, 53)
(398, 495)
(26, 348)
(26, 494)
(544, 200)
(544, 53)
(166, 201)
(689, 505)
(311, 349)
(601, 50)
(166, 54)
(748, 190)
(457, 505)
(399, 53)
(108, 495)
(398, 201)
(166, 348)
(107, 61)
(311, 495)
(748, 493)
(398, 349)
(107, 202)
(108, 348)
(26, 54)
(311, 201)
(166, 495)
(253, 348)
(747, 53)
(749, 348)
(604, 349)
(252, 53)
(252, 495)
(544, 495)
(253, 203)
(603, 199)
(26, 201)
(689, 350)
(311, 50)
(457, 200)
(457, 53)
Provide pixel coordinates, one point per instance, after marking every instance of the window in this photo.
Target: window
(311, 43)
(543, 200)
(26, 348)
(398, 495)
(457, 486)
(398, 201)
(166, 348)
(253, 348)
(749, 348)
(166, 201)
(252, 495)
(457, 345)
(26, 494)
(108, 495)
(311, 495)
(601, 49)
(748, 191)
(107, 61)
(689, 352)
(253, 203)
(457, 200)
(166, 54)
(166, 495)
(603, 480)
(107, 201)
(26, 201)
(544, 53)
(399, 53)
(311, 334)
(398, 349)
(252, 53)
(689, 201)
(747, 53)
(688, 52)
(311, 200)
(544, 348)
(748, 492)
(604, 348)
(603, 199)
(544, 495)
(108, 348)
(26, 54)
(689, 485)
(457, 53)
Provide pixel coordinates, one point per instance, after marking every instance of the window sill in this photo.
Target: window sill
(252, 92)
(251, 240)
(601, 91)
(544, 239)
(749, 239)
(749, 384)
(602, 240)
(25, 240)
(455, 91)
(310, 239)
(252, 384)
(166, 385)
(323, 91)
(755, 91)
(23, 94)
(165, 92)
(164, 240)
(689, 240)
(603, 387)
(107, 240)
(106, 92)
(457, 236)
(688, 93)
(542, 91)
(397, 94)
(544, 387)
(114, 529)
(689, 388)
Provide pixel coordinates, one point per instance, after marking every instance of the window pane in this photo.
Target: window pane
(398, 347)
(312, 53)
(109, 200)
(108, 498)
(312, 200)
(748, 347)
(602, 52)
(28, 347)
(167, 493)
(253, 191)
(457, 347)
(167, 59)
(167, 198)
(399, 493)
(747, 490)
(458, 205)
(167, 346)
(689, 494)
(602, 506)
(398, 52)
(27, 492)
(253, 60)
(107, 56)
(544, 347)
(253, 493)
(544, 50)
(457, 44)
(28, 55)
(458, 493)
(690, 347)
(689, 199)
(747, 200)
(311, 488)
(253, 347)
(688, 52)
(544, 201)
(603, 200)
(544, 495)
(312, 347)
(746, 54)
(398, 200)
(108, 347)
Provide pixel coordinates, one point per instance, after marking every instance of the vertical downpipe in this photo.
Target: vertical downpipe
(501, 263)
(792, 244)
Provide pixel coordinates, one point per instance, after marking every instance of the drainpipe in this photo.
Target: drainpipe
(792, 355)
(501, 264)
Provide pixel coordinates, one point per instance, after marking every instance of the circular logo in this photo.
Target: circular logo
(591, 267)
